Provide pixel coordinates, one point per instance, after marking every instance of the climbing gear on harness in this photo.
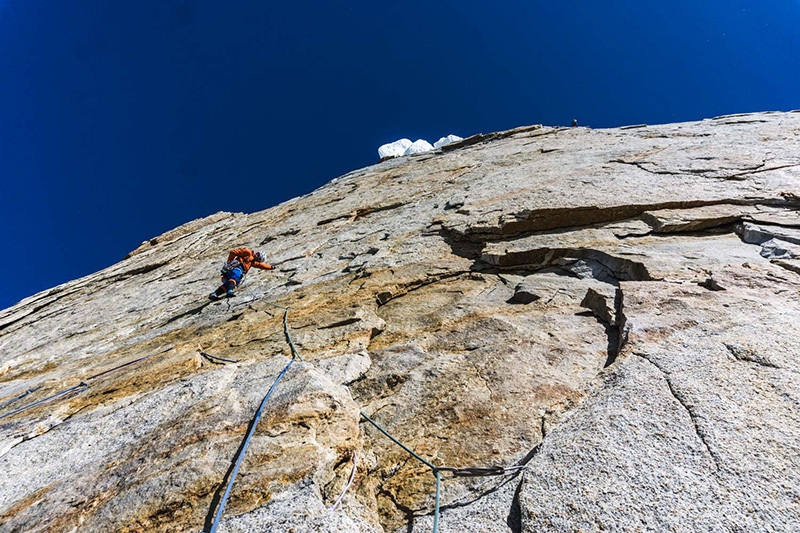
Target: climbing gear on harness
(227, 268)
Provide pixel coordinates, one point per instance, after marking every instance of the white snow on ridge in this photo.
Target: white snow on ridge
(420, 146)
(394, 149)
(444, 141)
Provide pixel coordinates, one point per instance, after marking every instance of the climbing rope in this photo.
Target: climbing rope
(129, 363)
(347, 486)
(80, 387)
(406, 448)
(414, 454)
(246, 443)
(456, 472)
(20, 396)
(286, 332)
(240, 457)
(215, 359)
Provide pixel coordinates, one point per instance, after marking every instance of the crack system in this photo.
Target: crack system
(693, 416)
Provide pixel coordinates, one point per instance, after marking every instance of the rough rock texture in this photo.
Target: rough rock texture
(614, 309)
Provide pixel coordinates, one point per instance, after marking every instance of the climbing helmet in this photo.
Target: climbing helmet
(260, 257)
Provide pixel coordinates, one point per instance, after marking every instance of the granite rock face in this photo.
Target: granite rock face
(609, 313)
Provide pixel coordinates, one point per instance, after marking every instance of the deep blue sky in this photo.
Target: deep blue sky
(121, 120)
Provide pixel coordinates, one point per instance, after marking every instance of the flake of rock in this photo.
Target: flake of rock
(777, 249)
(590, 268)
(700, 218)
(601, 303)
(774, 216)
(711, 284)
(455, 203)
(792, 265)
(757, 234)
(524, 293)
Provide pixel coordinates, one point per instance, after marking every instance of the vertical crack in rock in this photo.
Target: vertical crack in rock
(615, 326)
(622, 325)
(617, 336)
(692, 415)
(407, 511)
(514, 519)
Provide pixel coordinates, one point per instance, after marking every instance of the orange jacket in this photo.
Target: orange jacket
(247, 258)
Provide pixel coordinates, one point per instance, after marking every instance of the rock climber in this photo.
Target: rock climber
(239, 262)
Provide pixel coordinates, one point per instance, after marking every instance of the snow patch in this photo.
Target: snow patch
(444, 141)
(420, 146)
(394, 149)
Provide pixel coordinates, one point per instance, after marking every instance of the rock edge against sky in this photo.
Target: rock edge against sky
(615, 307)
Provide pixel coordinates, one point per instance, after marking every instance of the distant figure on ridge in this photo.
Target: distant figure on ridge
(239, 262)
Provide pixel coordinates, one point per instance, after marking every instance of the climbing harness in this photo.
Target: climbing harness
(80, 387)
(227, 268)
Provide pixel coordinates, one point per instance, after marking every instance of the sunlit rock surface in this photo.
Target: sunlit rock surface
(615, 309)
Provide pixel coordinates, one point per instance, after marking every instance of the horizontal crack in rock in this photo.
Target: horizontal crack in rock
(385, 297)
(515, 225)
(538, 258)
(740, 353)
(361, 213)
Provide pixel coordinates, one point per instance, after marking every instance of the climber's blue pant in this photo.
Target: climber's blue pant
(234, 275)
